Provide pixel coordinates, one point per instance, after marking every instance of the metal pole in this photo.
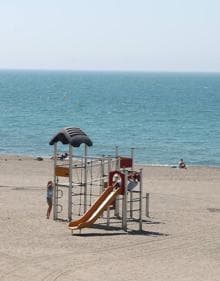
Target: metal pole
(117, 159)
(131, 194)
(108, 216)
(85, 179)
(116, 211)
(124, 204)
(132, 157)
(109, 165)
(102, 175)
(70, 182)
(141, 205)
(147, 204)
(55, 197)
(131, 204)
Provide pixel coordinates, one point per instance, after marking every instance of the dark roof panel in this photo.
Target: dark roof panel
(73, 136)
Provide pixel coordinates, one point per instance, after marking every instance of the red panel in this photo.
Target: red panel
(125, 162)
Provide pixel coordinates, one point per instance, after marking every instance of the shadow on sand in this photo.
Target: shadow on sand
(116, 231)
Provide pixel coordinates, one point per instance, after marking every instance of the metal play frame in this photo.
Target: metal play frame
(75, 176)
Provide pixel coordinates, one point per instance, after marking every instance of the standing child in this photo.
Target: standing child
(49, 197)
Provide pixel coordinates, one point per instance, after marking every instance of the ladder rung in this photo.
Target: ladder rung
(135, 210)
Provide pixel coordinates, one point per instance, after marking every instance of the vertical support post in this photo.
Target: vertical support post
(124, 204)
(109, 164)
(70, 182)
(141, 205)
(147, 204)
(117, 159)
(108, 216)
(116, 211)
(132, 157)
(117, 207)
(102, 174)
(131, 204)
(55, 194)
(117, 168)
(85, 179)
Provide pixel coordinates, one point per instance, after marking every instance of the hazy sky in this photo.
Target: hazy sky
(149, 35)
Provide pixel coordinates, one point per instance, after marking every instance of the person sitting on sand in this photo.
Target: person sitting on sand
(63, 156)
(49, 197)
(182, 165)
(133, 179)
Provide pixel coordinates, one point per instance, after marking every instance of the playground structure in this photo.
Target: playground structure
(87, 187)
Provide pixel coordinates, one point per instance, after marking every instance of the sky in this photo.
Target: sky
(131, 35)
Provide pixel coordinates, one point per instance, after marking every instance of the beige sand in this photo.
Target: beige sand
(180, 241)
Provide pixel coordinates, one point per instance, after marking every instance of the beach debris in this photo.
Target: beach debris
(213, 210)
(39, 158)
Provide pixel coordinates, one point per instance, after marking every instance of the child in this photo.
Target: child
(49, 197)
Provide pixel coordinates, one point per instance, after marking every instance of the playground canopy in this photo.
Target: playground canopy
(72, 136)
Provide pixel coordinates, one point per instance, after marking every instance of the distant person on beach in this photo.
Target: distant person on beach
(133, 179)
(63, 156)
(182, 165)
(49, 197)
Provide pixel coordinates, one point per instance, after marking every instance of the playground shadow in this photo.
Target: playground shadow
(144, 221)
(98, 234)
(105, 228)
(113, 232)
(116, 221)
(147, 233)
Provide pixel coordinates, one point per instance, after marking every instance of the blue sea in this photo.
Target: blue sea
(164, 116)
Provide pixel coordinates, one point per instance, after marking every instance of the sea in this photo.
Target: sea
(162, 116)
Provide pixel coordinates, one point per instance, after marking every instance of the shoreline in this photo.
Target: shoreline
(47, 157)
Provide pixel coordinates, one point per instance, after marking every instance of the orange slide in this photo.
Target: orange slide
(95, 211)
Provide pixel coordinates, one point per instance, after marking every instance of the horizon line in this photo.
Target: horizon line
(110, 70)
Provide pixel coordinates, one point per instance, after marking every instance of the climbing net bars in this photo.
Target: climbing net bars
(80, 179)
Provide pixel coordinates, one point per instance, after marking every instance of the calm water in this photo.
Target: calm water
(164, 116)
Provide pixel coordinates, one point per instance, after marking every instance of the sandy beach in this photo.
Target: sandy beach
(180, 238)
